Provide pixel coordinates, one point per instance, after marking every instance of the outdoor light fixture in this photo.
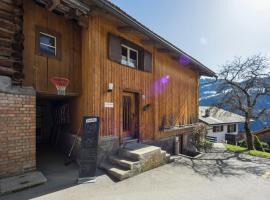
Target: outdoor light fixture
(110, 87)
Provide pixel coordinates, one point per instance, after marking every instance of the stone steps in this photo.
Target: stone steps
(115, 171)
(123, 162)
(134, 159)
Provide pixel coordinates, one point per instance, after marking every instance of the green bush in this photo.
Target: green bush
(264, 145)
(206, 145)
(259, 145)
(242, 143)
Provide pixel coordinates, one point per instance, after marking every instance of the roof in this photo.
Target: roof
(262, 131)
(219, 116)
(113, 9)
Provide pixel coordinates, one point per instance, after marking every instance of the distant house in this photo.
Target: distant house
(222, 125)
(263, 135)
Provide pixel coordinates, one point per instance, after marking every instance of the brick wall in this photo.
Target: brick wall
(17, 134)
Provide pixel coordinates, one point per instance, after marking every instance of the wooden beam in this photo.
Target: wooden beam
(72, 14)
(7, 71)
(52, 4)
(163, 50)
(83, 21)
(126, 29)
(148, 42)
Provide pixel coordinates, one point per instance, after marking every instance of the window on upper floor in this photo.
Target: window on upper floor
(231, 128)
(129, 54)
(217, 128)
(47, 43)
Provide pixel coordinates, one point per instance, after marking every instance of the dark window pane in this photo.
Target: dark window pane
(45, 39)
(133, 55)
(47, 50)
(124, 51)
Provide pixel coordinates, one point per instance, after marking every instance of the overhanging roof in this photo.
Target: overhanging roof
(218, 116)
(113, 9)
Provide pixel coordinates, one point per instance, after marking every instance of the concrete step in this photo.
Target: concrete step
(139, 151)
(123, 162)
(115, 171)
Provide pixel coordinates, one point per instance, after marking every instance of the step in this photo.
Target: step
(123, 162)
(139, 151)
(115, 171)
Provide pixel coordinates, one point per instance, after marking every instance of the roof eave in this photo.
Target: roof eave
(205, 71)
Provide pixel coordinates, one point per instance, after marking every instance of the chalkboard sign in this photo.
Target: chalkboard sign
(89, 148)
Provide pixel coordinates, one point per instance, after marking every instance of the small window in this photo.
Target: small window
(231, 128)
(47, 43)
(217, 129)
(129, 56)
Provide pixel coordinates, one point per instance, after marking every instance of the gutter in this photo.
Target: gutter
(129, 20)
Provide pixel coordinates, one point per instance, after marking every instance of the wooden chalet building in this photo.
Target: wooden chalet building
(140, 85)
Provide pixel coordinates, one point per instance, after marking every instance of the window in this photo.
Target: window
(47, 43)
(231, 128)
(129, 56)
(217, 129)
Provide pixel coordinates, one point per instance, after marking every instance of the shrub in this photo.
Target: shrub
(259, 145)
(206, 145)
(242, 143)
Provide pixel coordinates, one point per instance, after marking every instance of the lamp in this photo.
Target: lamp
(110, 87)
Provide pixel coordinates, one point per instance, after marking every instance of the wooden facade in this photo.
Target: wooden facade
(177, 97)
(166, 95)
(11, 40)
(38, 69)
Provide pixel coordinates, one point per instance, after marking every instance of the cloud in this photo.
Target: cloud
(203, 41)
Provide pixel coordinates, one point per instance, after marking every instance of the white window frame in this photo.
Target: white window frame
(51, 36)
(128, 56)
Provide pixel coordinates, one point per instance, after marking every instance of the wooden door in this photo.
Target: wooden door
(130, 116)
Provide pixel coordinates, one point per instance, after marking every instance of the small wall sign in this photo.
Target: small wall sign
(108, 104)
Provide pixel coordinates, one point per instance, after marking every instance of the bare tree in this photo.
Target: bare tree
(244, 81)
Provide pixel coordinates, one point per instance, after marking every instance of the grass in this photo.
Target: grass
(239, 149)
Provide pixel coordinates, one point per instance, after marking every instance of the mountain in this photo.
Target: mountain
(209, 96)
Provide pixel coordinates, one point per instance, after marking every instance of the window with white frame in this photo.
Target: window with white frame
(231, 128)
(47, 44)
(217, 128)
(129, 56)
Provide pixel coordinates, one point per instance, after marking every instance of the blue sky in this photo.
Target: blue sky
(212, 31)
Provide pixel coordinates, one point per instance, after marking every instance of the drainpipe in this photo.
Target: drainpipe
(176, 146)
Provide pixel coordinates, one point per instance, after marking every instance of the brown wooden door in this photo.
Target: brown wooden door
(130, 117)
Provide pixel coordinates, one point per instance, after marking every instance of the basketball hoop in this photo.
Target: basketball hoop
(61, 84)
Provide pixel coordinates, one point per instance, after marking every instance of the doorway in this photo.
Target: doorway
(130, 116)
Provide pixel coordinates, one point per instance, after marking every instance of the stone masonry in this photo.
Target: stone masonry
(17, 129)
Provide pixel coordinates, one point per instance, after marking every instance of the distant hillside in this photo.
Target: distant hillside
(209, 96)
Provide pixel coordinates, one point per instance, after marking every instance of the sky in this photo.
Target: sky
(212, 31)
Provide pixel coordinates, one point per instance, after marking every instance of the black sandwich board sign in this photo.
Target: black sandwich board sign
(88, 150)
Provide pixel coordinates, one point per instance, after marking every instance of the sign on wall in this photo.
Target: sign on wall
(108, 104)
(88, 150)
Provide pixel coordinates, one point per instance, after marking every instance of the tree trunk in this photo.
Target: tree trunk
(249, 137)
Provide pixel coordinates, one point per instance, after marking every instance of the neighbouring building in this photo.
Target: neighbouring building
(263, 135)
(138, 83)
(222, 125)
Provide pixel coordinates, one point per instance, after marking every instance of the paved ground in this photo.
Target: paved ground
(220, 176)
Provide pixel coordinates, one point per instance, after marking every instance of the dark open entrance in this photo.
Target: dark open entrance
(54, 137)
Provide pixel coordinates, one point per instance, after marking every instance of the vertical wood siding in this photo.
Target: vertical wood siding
(178, 96)
(39, 69)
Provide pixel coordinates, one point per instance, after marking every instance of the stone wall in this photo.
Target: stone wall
(17, 129)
